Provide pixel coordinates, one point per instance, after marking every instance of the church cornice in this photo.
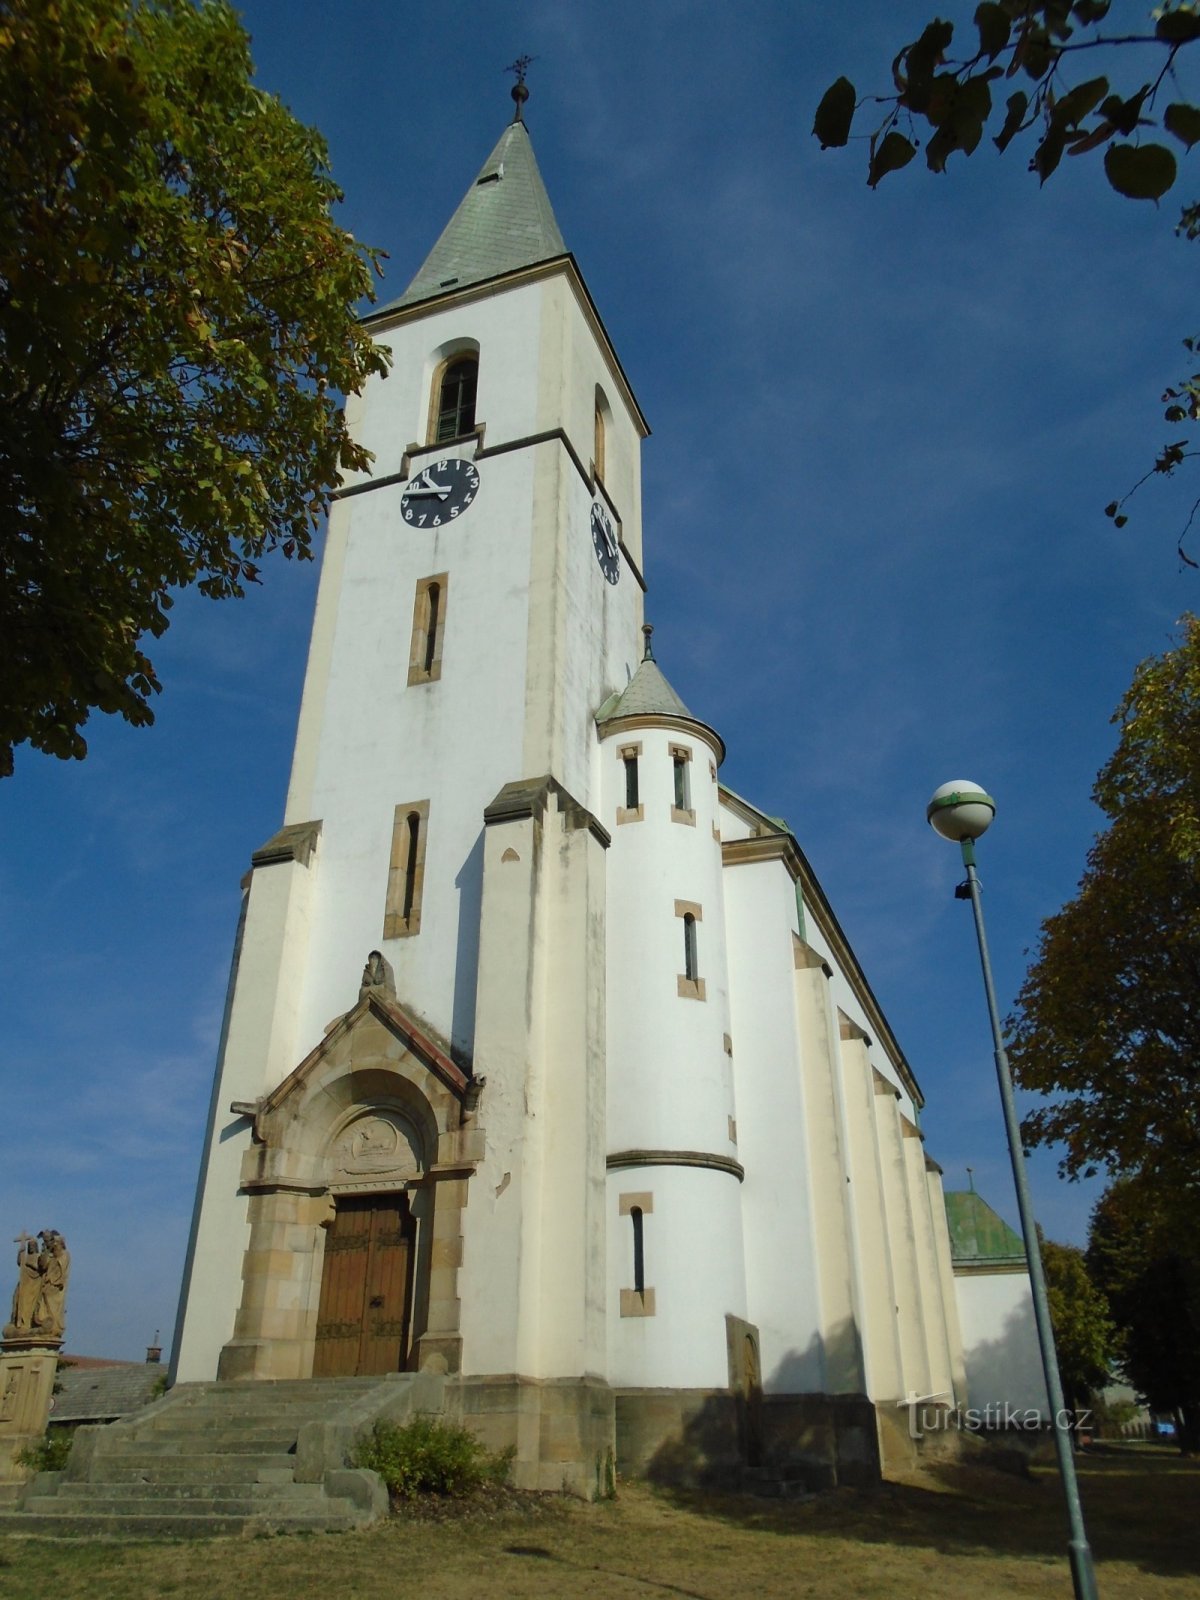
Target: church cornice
(378, 322)
(772, 843)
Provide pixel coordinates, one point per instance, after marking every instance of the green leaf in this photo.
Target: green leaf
(1049, 152)
(1178, 27)
(1140, 171)
(1018, 104)
(1079, 102)
(831, 125)
(1184, 122)
(994, 28)
(895, 152)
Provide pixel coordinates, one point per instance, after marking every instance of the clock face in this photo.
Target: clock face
(604, 537)
(439, 493)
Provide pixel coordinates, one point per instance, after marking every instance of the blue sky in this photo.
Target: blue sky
(884, 429)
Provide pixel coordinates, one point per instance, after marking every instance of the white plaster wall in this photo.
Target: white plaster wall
(777, 1204)
(692, 1251)
(526, 601)
(1000, 1348)
(670, 1082)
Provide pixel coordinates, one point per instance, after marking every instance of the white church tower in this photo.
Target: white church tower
(609, 1130)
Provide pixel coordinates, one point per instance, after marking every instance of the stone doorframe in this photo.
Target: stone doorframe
(378, 1106)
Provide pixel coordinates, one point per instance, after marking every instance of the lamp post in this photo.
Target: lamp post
(962, 811)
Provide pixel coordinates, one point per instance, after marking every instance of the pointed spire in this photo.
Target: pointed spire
(504, 221)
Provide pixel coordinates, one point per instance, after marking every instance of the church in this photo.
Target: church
(546, 1068)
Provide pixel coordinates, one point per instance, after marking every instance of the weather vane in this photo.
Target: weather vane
(519, 92)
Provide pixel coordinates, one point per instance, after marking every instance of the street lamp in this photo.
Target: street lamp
(962, 811)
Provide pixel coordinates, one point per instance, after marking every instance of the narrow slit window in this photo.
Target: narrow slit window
(598, 443)
(639, 1254)
(431, 628)
(456, 399)
(411, 857)
(689, 948)
(406, 870)
(428, 630)
(631, 782)
(683, 793)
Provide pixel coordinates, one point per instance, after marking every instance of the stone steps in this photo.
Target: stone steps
(220, 1460)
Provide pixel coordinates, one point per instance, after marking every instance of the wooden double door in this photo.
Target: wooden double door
(366, 1288)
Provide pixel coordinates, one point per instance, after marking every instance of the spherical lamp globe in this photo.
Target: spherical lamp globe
(960, 810)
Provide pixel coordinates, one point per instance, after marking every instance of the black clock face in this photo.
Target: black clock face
(439, 493)
(604, 537)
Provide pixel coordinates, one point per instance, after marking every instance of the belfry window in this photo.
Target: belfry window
(456, 399)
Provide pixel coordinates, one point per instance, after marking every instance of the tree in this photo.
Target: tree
(1084, 1336)
(176, 325)
(1049, 47)
(1107, 1022)
(1142, 1251)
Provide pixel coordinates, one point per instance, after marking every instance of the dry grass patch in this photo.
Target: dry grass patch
(948, 1533)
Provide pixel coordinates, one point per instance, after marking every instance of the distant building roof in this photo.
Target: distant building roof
(980, 1239)
(91, 1391)
(504, 222)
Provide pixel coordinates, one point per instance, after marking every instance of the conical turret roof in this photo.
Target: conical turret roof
(504, 221)
(648, 694)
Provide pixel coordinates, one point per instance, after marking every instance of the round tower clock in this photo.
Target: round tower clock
(604, 538)
(439, 492)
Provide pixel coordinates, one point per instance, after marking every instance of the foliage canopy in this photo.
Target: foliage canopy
(1107, 1021)
(1039, 57)
(176, 327)
(1084, 1336)
(1143, 1252)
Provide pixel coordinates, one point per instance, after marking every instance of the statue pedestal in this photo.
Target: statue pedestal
(27, 1369)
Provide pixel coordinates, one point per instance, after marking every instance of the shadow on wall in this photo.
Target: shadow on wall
(830, 1366)
(469, 883)
(1007, 1370)
(727, 1438)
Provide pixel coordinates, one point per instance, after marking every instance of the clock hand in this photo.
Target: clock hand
(424, 485)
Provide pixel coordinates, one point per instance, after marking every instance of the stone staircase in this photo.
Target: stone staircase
(239, 1459)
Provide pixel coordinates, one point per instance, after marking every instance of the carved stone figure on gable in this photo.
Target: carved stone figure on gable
(378, 976)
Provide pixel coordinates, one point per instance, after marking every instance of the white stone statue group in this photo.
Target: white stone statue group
(43, 1267)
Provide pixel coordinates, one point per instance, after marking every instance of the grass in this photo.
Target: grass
(946, 1533)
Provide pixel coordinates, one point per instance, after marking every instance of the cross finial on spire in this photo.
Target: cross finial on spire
(647, 630)
(519, 92)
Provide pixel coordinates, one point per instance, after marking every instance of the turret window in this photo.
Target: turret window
(455, 413)
(690, 984)
(681, 805)
(428, 630)
(638, 1301)
(629, 755)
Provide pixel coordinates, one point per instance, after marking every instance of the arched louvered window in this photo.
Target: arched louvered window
(456, 399)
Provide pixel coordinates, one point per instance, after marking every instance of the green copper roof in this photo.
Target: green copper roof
(647, 694)
(977, 1234)
(503, 222)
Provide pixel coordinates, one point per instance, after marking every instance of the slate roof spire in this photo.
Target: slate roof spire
(504, 221)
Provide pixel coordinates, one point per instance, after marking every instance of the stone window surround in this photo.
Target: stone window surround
(630, 813)
(681, 757)
(463, 350)
(418, 650)
(636, 1302)
(690, 988)
(395, 924)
